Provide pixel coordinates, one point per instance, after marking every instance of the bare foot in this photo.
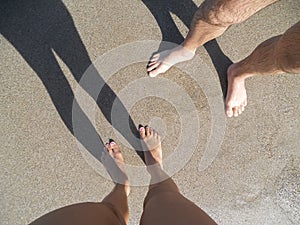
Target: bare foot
(161, 62)
(114, 163)
(236, 99)
(152, 146)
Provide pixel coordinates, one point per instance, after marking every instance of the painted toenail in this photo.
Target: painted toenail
(112, 143)
(142, 129)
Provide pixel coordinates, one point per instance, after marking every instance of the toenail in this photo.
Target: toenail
(112, 143)
(229, 114)
(142, 128)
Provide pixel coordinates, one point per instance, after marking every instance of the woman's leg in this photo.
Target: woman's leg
(212, 18)
(164, 205)
(118, 197)
(113, 210)
(274, 56)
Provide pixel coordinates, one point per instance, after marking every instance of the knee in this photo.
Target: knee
(220, 13)
(289, 62)
(287, 52)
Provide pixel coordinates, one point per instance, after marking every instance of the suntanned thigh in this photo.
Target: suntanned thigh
(79, 214)
(171, 208)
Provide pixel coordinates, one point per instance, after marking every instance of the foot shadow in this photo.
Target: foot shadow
(37, 29)
(184, 10)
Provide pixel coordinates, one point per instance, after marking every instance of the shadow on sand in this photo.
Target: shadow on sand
(37, 29)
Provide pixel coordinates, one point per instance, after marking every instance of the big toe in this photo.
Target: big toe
(142, 132)
(115, 151)
(114, 146)
(153, 73)
(161, 68)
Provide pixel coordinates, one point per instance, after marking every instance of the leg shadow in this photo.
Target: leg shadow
(37, 29)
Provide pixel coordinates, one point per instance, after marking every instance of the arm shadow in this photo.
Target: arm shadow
(184, 10)
(37, 29)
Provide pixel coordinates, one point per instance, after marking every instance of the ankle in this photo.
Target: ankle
(127, 189)
(152, 160)
(189, 46)
(123, 188)
(157, 173)
(154, 168)
(236, 73)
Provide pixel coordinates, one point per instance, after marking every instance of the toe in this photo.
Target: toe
(115, 150)
(156, 134)
(113, 145)
(153, 73)
(108, 148)
(154, 58)
(235, 111)
(150, 64)
(147, 130)
(229, 111)
(161, 68)
(240, 110)
(142, 132)
(153, 66)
